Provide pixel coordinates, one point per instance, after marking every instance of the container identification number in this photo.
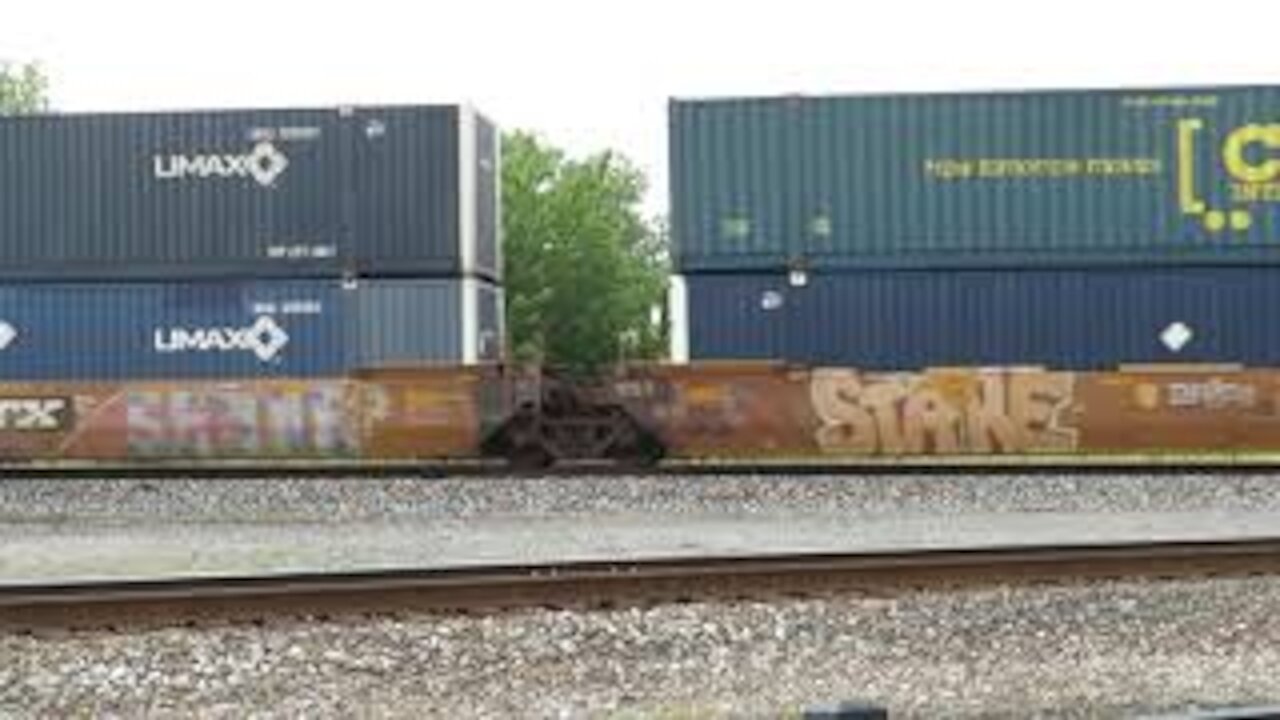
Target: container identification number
(302, 252)
(288, 307)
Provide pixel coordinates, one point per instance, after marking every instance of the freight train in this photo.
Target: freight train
(1032, 276)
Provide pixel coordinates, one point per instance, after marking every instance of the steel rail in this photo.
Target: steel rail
(1091, 465)
(608, 584)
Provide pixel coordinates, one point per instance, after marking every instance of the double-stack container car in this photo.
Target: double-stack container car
(1026, 274)
(1073, 230)
(242, 244)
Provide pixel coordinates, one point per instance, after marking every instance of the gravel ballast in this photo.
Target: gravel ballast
(1094, 650)
(342, 500)
(60, 529)
(75, 551)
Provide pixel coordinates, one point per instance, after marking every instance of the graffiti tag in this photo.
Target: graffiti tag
(35, 414)
(1213, 395)
(942, 412)
(306, 420)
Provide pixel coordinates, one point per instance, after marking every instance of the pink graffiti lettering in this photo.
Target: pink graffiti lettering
(240, 422)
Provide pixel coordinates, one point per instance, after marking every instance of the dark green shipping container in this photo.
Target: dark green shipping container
(1172, 176)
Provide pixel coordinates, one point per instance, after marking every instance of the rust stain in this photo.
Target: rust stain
(828, 412)
(747, 410)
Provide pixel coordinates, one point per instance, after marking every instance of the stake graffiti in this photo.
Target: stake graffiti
(963, 411)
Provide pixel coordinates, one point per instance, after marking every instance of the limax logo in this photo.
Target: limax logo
(264, 338)
(1250, 156)
(264, 164)
(34, 414)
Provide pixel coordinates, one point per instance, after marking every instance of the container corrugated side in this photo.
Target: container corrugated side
(1060, 319)
(304, 193)
(251, 329)
(735, 184)
(728, 317)
(404, 155)
(1173, 176)
(413, 322)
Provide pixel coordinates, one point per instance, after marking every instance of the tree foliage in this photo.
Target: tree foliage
(584, 269)
(23, 88)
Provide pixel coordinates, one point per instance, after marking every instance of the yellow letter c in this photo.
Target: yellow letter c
(1234, 149)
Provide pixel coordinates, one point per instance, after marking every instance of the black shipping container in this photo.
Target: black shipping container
(367, 191)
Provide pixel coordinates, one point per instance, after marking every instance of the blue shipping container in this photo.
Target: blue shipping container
(911, 319)
(246, 329)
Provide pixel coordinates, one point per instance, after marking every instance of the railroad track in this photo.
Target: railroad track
(329, 468)
(586, 585)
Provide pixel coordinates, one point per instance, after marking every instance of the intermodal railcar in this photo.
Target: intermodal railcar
(916, 277)
(641, 414)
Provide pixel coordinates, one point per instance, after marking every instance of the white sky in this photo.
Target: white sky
(591, 75)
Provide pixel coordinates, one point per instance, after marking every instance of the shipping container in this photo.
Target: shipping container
(249, 329)
(1180, 176)
(306, 193)
(911, 319)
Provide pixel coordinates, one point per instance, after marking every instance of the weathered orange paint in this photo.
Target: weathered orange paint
(705, 411)
(751, 410)
(722, 409)
(429, 414)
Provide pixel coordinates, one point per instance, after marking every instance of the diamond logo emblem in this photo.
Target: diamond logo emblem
(266, 163)
(267, 338)
(8, 334)
(1177, 336)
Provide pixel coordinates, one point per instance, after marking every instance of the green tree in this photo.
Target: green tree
(584, 269)
(23, 88)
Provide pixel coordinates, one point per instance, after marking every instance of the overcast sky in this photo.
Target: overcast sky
(592, 75)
